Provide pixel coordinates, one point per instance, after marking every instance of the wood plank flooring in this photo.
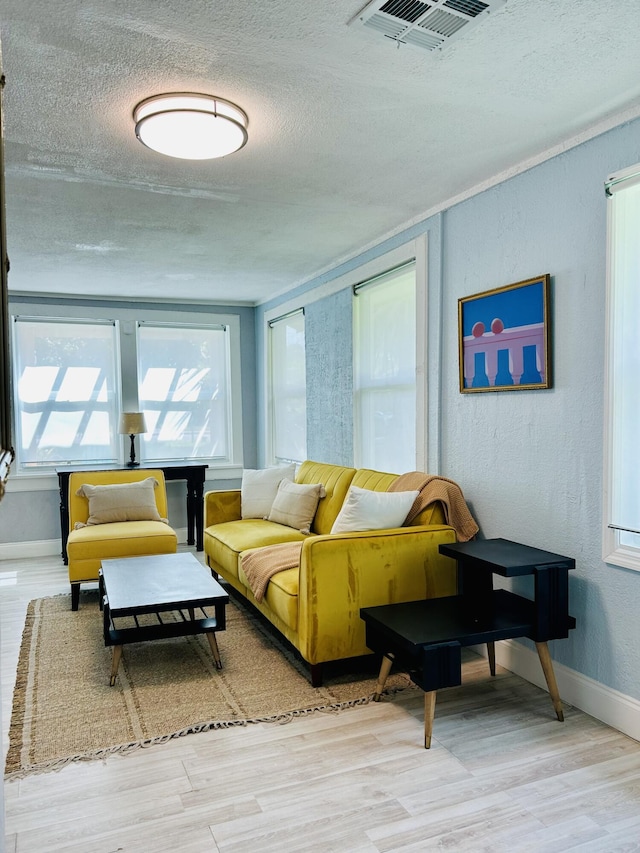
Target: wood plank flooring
(502, 775)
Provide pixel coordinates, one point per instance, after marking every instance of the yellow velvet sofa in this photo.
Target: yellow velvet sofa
(89, 544)
(317, 608)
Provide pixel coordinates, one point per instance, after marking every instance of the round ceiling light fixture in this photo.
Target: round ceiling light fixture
(191, 126)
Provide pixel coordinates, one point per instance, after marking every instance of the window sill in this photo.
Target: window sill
(625, 558)
(42, 481)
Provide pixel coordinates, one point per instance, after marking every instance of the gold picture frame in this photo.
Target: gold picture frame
(503, 338)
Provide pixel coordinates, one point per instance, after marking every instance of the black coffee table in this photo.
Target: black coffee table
(154, 587)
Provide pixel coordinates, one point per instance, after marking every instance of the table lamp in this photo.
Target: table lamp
(132, 424)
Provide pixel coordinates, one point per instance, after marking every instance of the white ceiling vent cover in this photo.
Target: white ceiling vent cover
(431, 25)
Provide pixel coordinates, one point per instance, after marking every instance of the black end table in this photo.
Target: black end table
(426, 637)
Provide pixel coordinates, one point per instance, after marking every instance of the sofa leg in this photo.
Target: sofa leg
(316, 674)
(75, 595)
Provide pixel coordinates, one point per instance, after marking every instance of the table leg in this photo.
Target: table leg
(429, 712)
(550, 676)
(491, 654)
(214, 648)
(115, 663)
(385, 669)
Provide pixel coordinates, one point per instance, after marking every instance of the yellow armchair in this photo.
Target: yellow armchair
(115, 522)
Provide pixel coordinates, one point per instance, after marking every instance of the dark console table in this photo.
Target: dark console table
(426, 637)
(192, 473)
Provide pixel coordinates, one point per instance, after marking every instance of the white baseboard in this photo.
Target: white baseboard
(51, 547)
(604, 703)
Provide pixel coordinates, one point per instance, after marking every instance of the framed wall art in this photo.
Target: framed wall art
(503, 337)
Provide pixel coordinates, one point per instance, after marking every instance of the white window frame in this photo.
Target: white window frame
(427, 441)
(614, 551)
(112, 405)
(272, 325)
(126, 317)
(177, 326)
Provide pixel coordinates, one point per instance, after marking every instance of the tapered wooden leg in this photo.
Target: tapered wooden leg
(115, 663)
(75, 595)
(385, 669)
(429, 712)
(213, 643)
(550, 676)
(491, 654)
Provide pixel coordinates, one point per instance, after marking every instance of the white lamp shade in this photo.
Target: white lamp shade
(190, 126)
(132, 423)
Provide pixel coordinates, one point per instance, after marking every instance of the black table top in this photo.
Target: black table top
(504, 557)
(412, 624)
(160, 582)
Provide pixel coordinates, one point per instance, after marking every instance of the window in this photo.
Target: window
(66, 391)
(622, 452)
(287, 380)
(184, 391)
(384, 347)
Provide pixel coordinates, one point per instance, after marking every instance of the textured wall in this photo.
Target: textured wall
(530, 462)
(328, 336)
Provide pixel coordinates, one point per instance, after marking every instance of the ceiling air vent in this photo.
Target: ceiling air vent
(430, 25)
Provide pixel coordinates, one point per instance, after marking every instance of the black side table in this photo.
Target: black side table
(426, 637)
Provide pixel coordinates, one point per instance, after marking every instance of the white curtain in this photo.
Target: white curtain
(288, 388)
(624, 358)
(384, 348)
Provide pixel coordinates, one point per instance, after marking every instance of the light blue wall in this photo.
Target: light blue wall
(529, 462)
(328, 332)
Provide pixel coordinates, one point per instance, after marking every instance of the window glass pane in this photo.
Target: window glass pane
(385, 372)
(184, 392)
(67, 392)
(288, 388)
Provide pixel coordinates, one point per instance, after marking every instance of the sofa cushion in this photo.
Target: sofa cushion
(367, 510)
(225, 541)
(375, 481)
(121, 502)
(336, 481)
(89, 545)
(259, 488)
(295, 504)
(281, 597)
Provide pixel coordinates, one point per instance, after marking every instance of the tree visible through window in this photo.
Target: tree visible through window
(184, 391)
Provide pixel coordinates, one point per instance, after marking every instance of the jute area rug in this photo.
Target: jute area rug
(64, 709)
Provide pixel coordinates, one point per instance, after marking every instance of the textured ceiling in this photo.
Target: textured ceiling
(350, 136)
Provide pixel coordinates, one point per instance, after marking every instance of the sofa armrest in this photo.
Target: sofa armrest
(221, 506)
(340, 573)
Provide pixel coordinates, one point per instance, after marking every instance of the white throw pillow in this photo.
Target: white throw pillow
(296, 504)
(367, 510)
(259, 489)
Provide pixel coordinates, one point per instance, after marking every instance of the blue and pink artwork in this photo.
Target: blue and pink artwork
(504, 338)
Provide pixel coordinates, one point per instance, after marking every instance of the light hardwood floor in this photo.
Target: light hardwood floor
(502, 775)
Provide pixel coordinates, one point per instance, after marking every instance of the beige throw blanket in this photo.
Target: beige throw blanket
(433, 488)
(262, 564)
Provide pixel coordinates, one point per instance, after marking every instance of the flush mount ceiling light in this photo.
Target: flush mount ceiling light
(190, 126)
